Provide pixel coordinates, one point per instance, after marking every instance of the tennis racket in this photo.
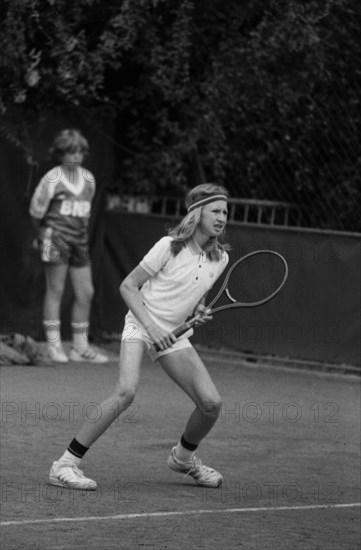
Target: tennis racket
(251, 281)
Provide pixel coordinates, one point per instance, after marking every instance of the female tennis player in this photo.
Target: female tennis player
(168, 285)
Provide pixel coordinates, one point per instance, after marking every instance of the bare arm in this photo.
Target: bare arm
(129, 290)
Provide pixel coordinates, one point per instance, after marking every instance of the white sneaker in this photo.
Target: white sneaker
(56, 354)
(89, 355)
(202, 475)
(65, 474)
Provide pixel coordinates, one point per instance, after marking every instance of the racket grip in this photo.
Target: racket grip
(181, 330)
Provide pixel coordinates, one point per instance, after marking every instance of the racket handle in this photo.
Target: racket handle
(181, 329)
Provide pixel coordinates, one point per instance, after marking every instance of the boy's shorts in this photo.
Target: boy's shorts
(133, 332)
(55, 249)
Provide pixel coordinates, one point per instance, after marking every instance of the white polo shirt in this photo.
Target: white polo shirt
(178, 282)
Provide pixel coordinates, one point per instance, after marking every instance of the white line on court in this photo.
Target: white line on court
(181, 513)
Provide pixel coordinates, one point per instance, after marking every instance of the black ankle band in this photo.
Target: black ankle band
(77, 449)
(187, 445)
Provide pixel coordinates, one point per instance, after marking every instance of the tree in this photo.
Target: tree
(260, 95)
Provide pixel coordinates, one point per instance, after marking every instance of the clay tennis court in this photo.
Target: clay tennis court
(287, 443)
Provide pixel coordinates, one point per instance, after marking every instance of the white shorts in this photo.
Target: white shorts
(133, 332)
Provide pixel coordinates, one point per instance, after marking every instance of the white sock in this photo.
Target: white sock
(184, 455)
(80, 336)
(69, 457)
(52, 332)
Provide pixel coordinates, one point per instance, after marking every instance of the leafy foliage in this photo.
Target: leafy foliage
(260, 95)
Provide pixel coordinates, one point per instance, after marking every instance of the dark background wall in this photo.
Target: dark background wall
(315, 317)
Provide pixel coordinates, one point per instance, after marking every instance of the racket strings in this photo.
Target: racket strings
(256, 278)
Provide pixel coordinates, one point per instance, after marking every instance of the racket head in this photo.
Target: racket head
(253, 280)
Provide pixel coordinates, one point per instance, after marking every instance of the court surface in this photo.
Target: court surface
(287, 443)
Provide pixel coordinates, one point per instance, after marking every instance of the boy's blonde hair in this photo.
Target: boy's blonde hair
(184, 231)
(68, 141)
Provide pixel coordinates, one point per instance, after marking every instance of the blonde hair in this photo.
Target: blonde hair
(68, 141)
(184, 231)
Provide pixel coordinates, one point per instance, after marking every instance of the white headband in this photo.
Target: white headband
(207, 200)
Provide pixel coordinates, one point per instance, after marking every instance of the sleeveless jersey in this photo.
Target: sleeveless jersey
(62, 205)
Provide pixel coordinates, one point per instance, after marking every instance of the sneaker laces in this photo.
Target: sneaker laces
(88, 353)
(197, 465)
(73, 467)
(77, 470)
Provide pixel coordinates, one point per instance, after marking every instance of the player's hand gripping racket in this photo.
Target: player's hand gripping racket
(252, 281)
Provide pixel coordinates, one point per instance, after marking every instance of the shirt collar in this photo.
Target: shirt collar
(194, 247)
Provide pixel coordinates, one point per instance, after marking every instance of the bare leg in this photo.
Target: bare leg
(83, 290)
(131, 354)
(188, 371)
(55, 277)
(65, 472)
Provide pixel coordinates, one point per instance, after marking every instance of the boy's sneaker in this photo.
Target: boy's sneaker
(65, 474)
(88, 355)
(56, 354)
(202, 475)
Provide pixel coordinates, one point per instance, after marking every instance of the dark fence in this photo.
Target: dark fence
(316, 317)
(245, 211)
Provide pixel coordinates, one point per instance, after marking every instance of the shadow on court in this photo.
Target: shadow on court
(287, 444)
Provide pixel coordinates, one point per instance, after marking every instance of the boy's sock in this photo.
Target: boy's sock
(52, 332)
(184, 450)
(74, 453)
(80, 335)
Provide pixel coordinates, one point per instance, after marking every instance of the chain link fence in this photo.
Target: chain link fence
(306, 179)
(319, 177)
